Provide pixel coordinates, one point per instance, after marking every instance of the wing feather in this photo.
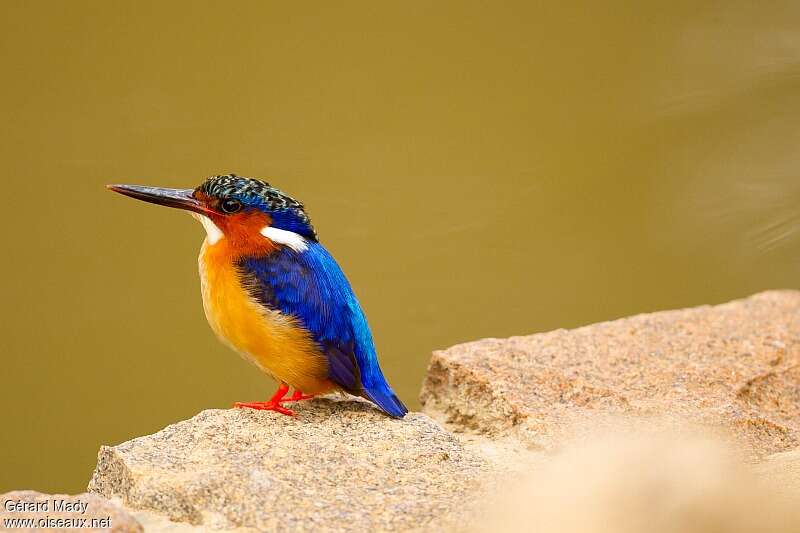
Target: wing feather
(311, 287)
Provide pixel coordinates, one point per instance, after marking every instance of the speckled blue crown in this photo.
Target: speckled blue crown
(286, 212)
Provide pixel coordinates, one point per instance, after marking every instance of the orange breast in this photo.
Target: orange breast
(271, 340)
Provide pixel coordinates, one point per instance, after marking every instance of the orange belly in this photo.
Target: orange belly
(270, 339)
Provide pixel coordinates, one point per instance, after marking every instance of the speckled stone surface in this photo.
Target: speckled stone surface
(51, 512)
(337, 466)
(736, 366)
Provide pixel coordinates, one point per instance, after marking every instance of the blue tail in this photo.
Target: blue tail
(385, 398)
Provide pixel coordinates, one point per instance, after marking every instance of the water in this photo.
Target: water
(478, 170)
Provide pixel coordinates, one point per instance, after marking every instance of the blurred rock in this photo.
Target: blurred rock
(784, 471)
(631, 479)
(733, 366)
(56, 512)
(338, 465)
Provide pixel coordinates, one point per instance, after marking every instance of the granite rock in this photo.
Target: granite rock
(336, 466)
(734, 366)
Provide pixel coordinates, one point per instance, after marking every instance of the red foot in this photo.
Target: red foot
(274, 403)
(265, 406)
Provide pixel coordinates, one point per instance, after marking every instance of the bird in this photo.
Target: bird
(274, 294)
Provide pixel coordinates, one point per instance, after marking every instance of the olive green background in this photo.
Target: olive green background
(478, 168)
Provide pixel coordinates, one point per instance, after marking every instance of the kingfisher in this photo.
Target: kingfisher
(274, 294)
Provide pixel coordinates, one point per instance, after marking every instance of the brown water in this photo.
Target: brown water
(478, 170)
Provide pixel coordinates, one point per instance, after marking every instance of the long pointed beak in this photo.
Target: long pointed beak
(178, 198)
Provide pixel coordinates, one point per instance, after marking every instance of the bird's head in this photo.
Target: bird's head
(246, 212)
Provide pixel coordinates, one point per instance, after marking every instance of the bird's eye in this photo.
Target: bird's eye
(230, 205)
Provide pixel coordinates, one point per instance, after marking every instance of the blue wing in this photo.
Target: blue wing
(310, 286)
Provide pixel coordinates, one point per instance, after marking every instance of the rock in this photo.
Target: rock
(735, 366)
(55, 512)
(633, 480)
(338, 465)
(783, 469)
(341, 465)
(158, 523)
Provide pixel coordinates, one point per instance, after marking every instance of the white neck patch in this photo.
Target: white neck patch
(213, 233)
(281, 236)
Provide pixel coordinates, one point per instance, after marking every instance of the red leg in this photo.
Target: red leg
(273, 404)
(299, 396)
